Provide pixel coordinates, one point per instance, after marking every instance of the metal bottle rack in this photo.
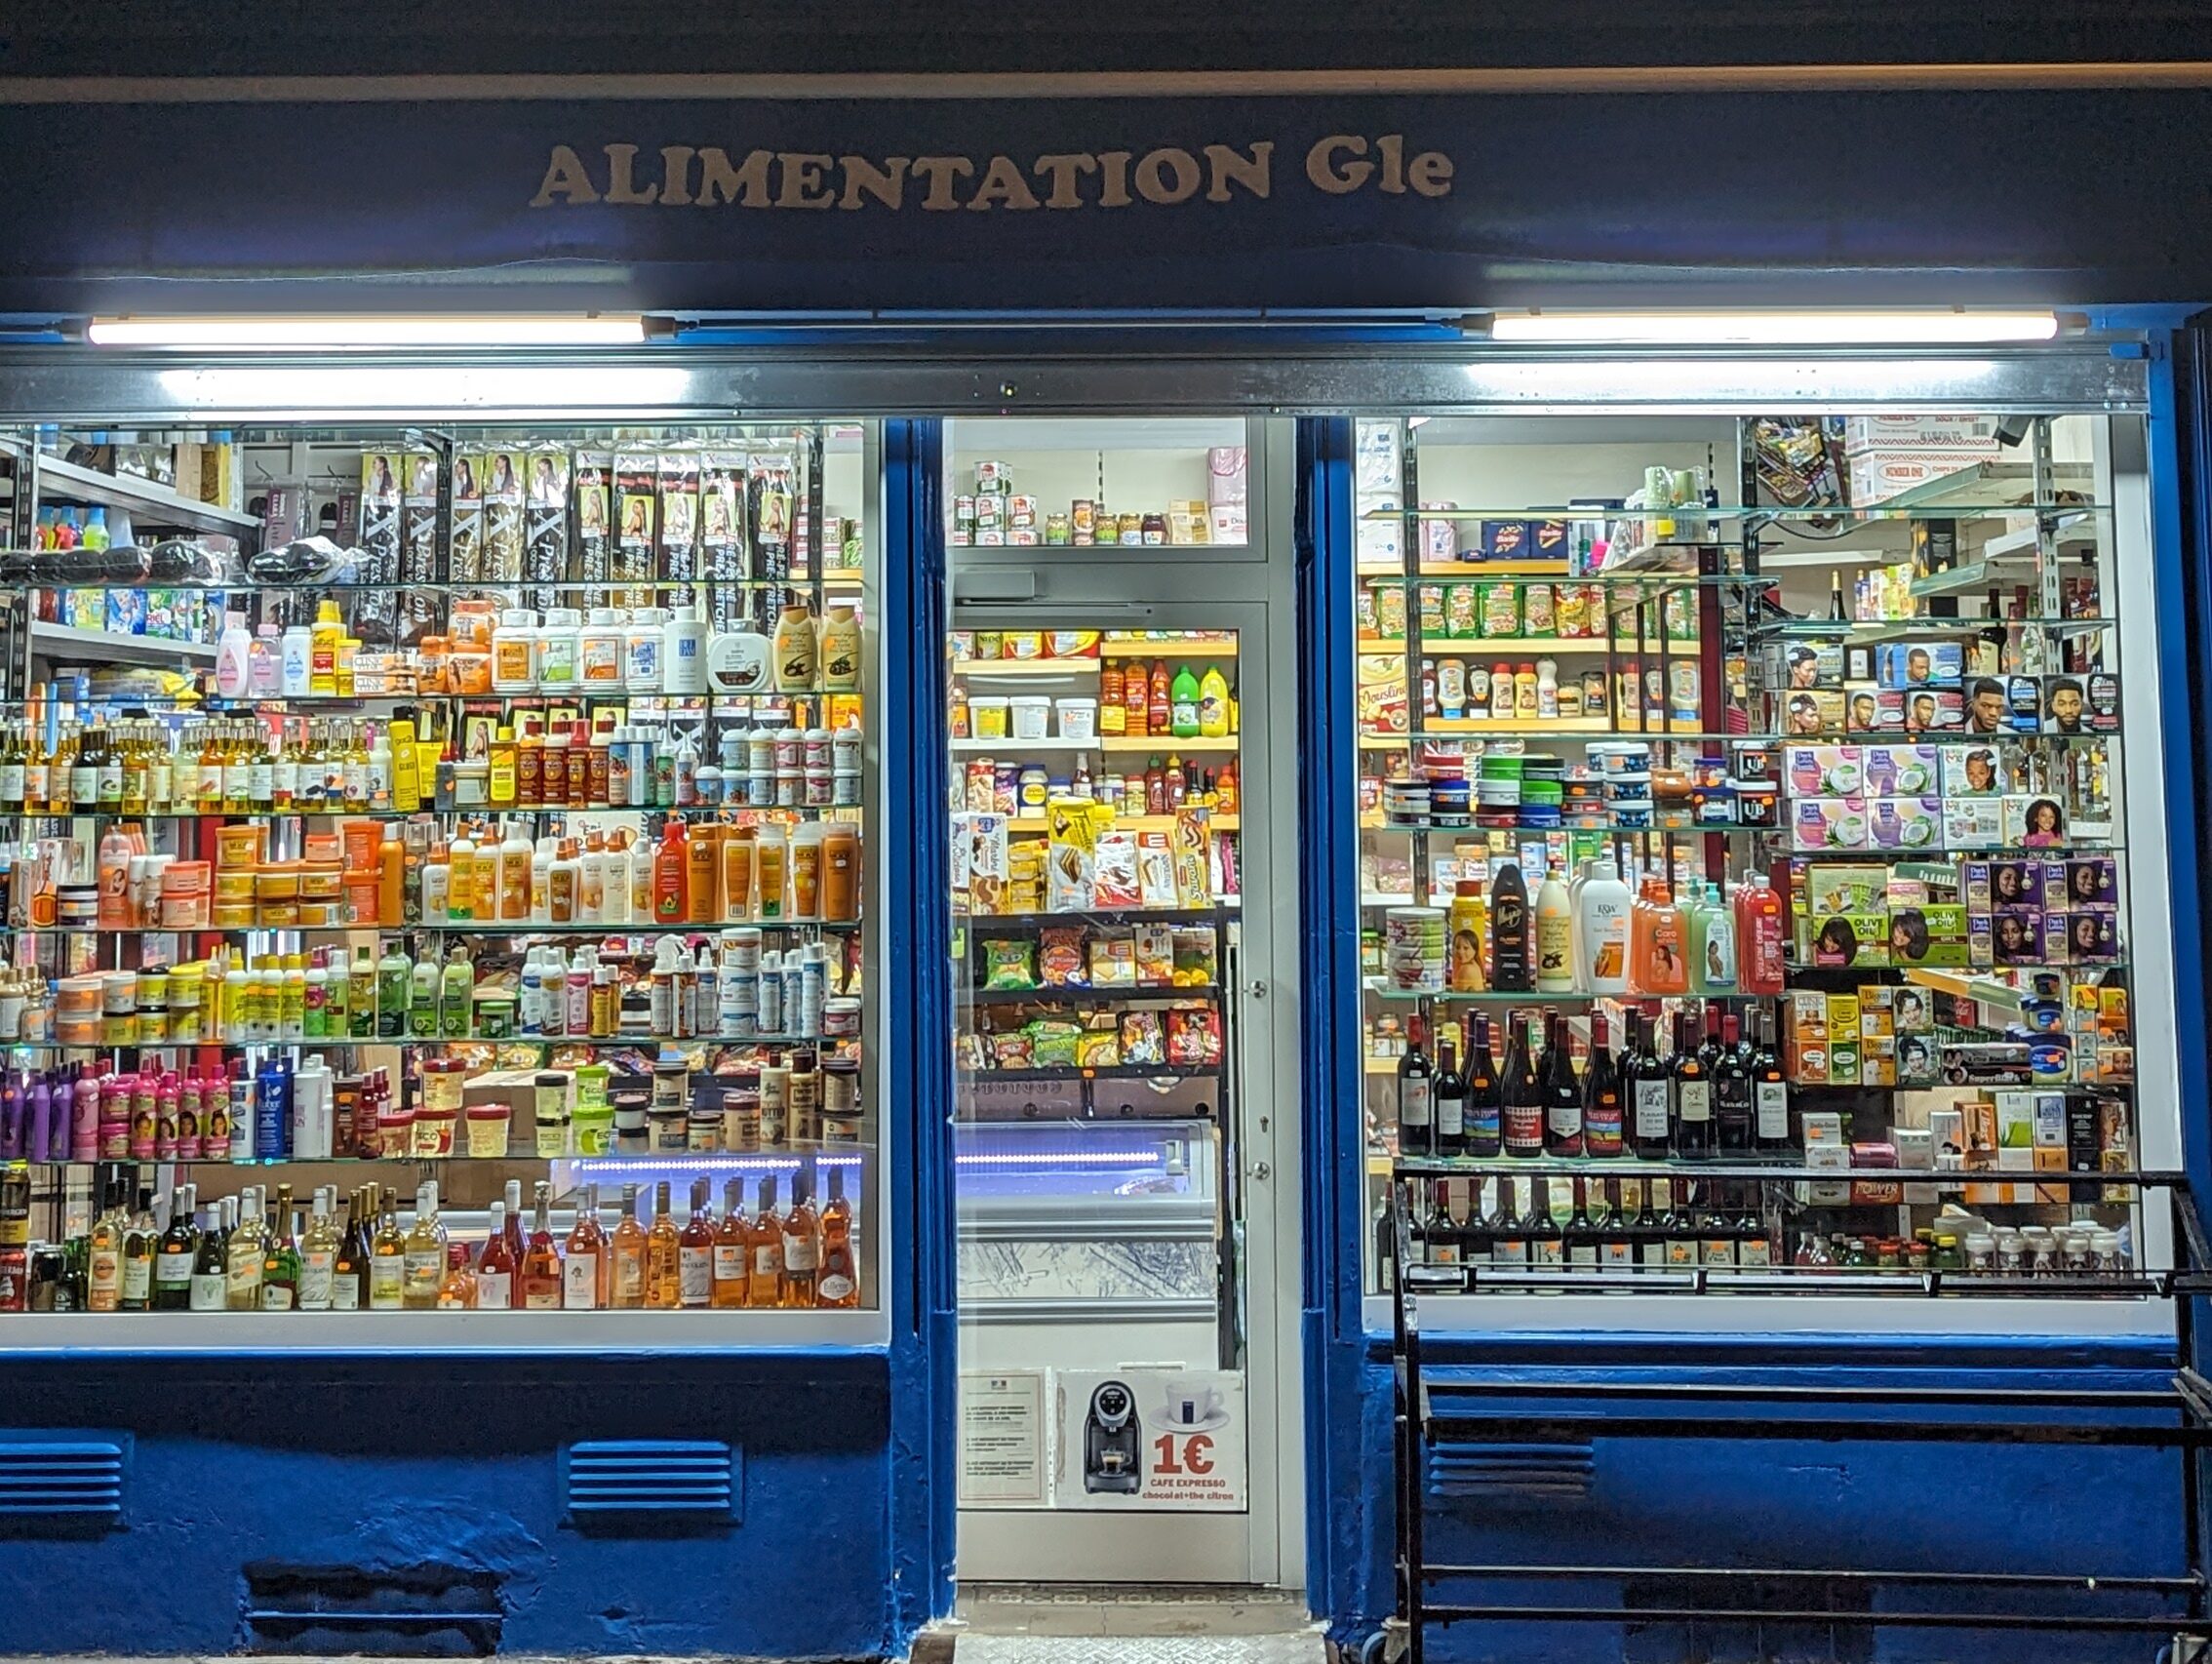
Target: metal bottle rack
(2177, 1418)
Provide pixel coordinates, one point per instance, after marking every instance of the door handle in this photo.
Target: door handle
(1256, 988)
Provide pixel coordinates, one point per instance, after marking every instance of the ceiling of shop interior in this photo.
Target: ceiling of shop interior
(313, 37)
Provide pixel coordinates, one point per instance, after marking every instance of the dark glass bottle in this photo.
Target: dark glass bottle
(1650, 1097)
(1386, 1245)
(1563, 1092)
(1416, 1096)
(1508, 1243)
(1694, 1100)
(1731, 1093)
(1547, 1244)
(1477, 1234)
(1616, 1244)
(1581, 1230)
(1440, 1237)
(1770, 1093)
(1511, 964)
(1649, 1229)
(1754, 1248)
(1717, 1228)
(1523, 1111)
(1483, 1117)
(1603, 1131)
(1448, 1103)
(172, 1262)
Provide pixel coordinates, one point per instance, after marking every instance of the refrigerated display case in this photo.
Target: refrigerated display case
(470, 818)
(1744, 794)
(1107, 714)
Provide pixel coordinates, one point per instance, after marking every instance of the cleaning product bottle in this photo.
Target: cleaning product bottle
(1213, 704)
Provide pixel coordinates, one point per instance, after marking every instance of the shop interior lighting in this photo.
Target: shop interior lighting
(1947, 326)
(307, 333)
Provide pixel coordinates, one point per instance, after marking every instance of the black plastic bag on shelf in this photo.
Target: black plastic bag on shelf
(304, 560)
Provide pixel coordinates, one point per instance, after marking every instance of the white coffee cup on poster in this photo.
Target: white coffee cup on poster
(1192, 1404)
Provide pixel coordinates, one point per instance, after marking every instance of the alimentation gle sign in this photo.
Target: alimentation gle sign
(686, 176)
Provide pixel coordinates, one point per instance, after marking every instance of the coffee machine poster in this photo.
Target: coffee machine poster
(1149, 1439)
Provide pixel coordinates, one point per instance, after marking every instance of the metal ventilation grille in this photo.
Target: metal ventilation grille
(669, 1480)
(53, 1481)
(1471, 1468)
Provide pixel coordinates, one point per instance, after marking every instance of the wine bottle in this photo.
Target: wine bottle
(1508, 1237)
(1603, 1129)
(1563, 1095)
(1770, 1093)
(1693, 1099)
(1616, 1245)
(1482, 1115)
(1448, 1103)
(1650, 1097)
(1649, 1229)
(1439, 1239)
(1731, 1092)
(1523, 1104)
(1416, 1096)
(1547, 1244)
(1581, 1230)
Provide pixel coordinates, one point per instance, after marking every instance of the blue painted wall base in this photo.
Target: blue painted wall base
(394, 1465)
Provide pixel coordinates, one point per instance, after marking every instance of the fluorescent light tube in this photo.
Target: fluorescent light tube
(1873, 328)
(305, 333)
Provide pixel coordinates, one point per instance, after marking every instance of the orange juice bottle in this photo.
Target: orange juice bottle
(1658, 953)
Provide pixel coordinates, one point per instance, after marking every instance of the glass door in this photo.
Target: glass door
(1113, 1058)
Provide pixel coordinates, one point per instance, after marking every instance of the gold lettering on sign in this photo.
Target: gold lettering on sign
(566, 176)
(1328, 175)
(746, 184)
(1167, 176)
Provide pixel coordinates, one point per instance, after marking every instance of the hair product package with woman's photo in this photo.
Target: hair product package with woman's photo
(418, 609)
(546, 524)
(772, 503)
(595, 550)
(503, 518)
(679, 516)
(379, 567)
(467, 562)
(636, 481)
(722, 538)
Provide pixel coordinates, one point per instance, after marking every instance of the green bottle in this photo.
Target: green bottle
(1183, 705)
(392, 984)
(456, 987)
(361, 996)
(423, 999)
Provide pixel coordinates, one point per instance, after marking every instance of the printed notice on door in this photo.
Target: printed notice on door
(1002, 1439)
(1149, 1439)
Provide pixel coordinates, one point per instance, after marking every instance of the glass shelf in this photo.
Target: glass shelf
(1522, 578)
(1110, 995)
(1609, 828)
(1977, 490)
(336, 588)
(448, 928)
(814, 812)
(1099, 916)
(1878, 629)
(1740, 1166)
(416, 1040)
(1568, 729)
(770, 1157)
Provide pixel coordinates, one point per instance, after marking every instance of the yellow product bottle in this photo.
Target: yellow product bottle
(323, 649)
(1213, 704)
(1470, 927)
(407, 789)
(484, 887)
(704, 852)
(738, 850)
(503, 772)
